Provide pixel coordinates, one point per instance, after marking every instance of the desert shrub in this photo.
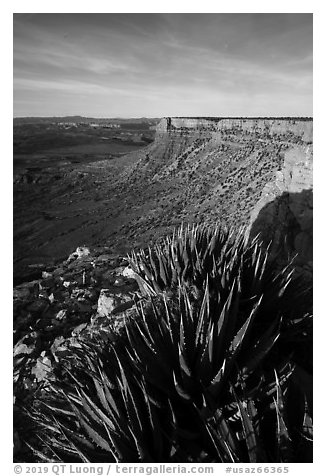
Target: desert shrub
(225, 259)
(207, 371)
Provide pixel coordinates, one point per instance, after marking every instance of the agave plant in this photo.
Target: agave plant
(179, 391)
(208, 369)
(237, 271)
(255, 436)
(189, 255)
(99, 415)
(194, 354)
(196, 254)
(248, 312)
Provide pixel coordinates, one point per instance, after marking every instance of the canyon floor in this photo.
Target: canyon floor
(64, 181)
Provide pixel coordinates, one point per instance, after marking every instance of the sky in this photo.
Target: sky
(155, 65)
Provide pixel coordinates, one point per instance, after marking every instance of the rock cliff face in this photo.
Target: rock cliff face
(285, 209)
(255, 172)
(302, 129)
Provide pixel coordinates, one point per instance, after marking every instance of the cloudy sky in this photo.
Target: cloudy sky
(154, 65)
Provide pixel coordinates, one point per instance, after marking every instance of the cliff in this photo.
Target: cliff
(234, 171)
(284, 212)
(230, 171)
(298, 128)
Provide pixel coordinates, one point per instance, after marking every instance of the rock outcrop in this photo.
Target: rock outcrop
(293, 128)
(216, 169)
(84, 297)
(284, 213)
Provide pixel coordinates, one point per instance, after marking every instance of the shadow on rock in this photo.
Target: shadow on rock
(287, 222)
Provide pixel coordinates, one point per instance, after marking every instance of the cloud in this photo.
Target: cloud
(141, 59)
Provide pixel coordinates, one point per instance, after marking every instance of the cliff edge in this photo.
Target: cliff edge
(301, 128)
(255, 172)
(228, 171)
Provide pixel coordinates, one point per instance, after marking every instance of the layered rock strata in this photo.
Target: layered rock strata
(300, 128)
(284, 213)
(197, 170)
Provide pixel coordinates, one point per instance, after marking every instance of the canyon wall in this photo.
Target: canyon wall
(282, 211)
(293, 128)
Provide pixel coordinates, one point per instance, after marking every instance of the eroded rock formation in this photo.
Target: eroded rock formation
(284, 213)
(299, 128)
(274, 158)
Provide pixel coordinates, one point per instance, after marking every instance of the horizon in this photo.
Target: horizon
(161, 117)
(163, 65)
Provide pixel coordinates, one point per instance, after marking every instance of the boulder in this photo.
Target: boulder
(81, 265)
(61, 315)
(43, 369)
(26, 345)
(84, 294)
(77, 330)
(108, 302)
(59, 348)
(80, 252)
(119, 281)
(128, 272)
(23, 349)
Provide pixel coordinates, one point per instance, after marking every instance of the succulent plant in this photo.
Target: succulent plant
(102, 416)
(207, 370)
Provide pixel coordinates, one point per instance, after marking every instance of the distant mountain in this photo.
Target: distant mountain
(55, 119)
(136, 120)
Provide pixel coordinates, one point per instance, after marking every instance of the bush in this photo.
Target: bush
(207, 370)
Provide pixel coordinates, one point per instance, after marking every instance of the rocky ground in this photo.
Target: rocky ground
(72, 300)
(86, 298)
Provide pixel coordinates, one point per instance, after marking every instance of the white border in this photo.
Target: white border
(168, 6)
